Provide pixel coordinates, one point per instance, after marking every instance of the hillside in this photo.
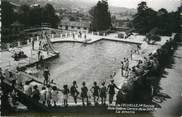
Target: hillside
(82, 5)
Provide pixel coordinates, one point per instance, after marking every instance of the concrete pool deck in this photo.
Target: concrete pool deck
(137, 39)
(8, 62)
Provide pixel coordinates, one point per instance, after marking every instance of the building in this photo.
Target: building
(74, 26)
(35, 6)
(121, 22)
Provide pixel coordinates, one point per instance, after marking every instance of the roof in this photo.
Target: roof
(75, 23)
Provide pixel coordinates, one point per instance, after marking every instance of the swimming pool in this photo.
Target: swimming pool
(89, 63)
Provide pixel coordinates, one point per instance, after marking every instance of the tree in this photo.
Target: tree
(8, 15)
(101, 17)
(142, 7)
(147, 19)
(152, 36)
(49, 16)
(24, 15)
(163, 11)
(35, 16)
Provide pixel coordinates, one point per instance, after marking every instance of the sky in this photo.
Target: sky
(170, 5)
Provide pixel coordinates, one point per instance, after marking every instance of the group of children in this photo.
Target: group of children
(125, 67)
(49, 94)
(97, 92)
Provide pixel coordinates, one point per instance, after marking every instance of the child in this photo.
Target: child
(74, 91)
(138, 49)
(127, 64)
(65, 95)
(122, 68)
(84, 91)
(36, 93)
(131, 54)
(43, 95)
(46, 75)
(95, 90)
(103, 91)
(48, 95)
(111, 90)
(27, 88)
(54, 93)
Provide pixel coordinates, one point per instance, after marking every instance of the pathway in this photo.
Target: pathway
(172, 86)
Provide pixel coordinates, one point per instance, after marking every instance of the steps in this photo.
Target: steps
(26, 100)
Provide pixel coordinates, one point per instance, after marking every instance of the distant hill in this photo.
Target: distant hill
(82, 5)
(122, 10)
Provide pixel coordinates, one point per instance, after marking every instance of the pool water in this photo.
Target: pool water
(89, 63)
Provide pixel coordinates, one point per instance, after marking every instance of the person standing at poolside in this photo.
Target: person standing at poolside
(95, 90)
(111, 90)
(48, 95)
(33, 43)
(46, 75)
(43, 95)
(36, 93)
(40, 44)
(1, 75)
(85, 36)
(38, 54)
(84, 91)
(127, 67)
(27, 88)
(54, 95)
(73, 35)
(131, 54)
(127, 64)
(103, 95)
(138, 49)
(122, 68)
(65, 95)
(129, 73)
(74, 92)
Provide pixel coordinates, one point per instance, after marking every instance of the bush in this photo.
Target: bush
(152, 37)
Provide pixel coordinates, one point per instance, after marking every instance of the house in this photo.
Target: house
(121, 22)
(74, 26)
(35, 6)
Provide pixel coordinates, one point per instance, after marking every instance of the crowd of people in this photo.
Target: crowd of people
(98, 92)
(48, 95)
